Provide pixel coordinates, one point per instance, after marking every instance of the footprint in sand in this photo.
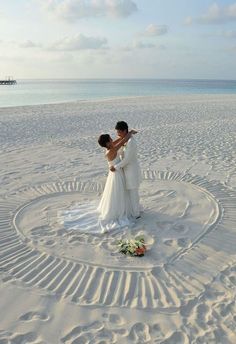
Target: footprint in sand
(156, 331)
(170, 242)
(50, 243)
(140, 333)
(181, 242)
(83, 334)
(226, 308)
(180, 228)
(177, 337)
(18, 338)
(111, 330)
(164, 225)
(203, 315)
(38, 232)
(114, 319)
(29, 316)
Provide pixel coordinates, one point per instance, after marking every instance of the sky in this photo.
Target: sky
(173, 39)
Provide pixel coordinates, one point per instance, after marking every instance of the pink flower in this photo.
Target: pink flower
(140, 250)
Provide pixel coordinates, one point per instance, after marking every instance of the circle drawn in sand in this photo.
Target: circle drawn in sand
(33, 245)
(177, 216)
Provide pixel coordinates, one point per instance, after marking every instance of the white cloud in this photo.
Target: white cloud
(61, 57)
(137, 44)
(142, 45)
(29, 44)
(231, 49)
(213, 15)
(217, 14)
(188, 21)
(79, 42)
(231, 10)
(155, 30)
(72, 10)
(2, 15)
(229, 34)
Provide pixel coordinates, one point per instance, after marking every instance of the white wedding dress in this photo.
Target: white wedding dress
(115, 207)
(113, 211)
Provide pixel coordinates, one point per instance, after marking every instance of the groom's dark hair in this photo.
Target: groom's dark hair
(121, 125)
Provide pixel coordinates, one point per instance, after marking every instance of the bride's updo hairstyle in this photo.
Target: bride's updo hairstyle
(103, 140)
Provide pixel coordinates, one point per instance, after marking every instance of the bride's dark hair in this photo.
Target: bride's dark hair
(103, 140)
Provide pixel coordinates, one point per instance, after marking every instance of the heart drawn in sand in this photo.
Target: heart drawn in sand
(182, 215)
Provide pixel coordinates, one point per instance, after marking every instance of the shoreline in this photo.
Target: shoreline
(119, 98)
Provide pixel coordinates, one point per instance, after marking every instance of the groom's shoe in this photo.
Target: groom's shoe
(138, 217)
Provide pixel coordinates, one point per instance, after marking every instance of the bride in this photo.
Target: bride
(114, 208)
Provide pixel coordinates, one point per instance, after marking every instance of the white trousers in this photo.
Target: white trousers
(134, 199)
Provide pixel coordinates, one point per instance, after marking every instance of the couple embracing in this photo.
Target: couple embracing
(119, 205)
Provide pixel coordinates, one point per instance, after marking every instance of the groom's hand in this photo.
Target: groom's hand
(112, 169)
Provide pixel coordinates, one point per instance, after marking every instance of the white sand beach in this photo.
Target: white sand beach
(60, 285)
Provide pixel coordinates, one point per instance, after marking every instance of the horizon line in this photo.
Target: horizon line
(154, 79)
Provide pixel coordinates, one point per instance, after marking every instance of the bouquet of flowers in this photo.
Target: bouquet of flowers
(133, 247)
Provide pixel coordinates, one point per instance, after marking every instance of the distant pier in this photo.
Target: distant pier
(8, 81)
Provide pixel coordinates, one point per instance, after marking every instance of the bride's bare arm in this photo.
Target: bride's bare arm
(117, 140)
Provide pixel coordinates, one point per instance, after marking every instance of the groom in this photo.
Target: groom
(130, 166)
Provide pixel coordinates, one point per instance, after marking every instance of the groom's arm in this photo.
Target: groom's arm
(129, 152)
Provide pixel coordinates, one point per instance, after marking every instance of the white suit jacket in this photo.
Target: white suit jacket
(130, 165)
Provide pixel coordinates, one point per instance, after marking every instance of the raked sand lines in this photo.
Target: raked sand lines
(37, 252)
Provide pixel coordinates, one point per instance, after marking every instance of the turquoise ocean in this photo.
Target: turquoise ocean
(32, 92)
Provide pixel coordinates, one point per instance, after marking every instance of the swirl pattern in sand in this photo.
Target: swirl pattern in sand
(182, 211)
